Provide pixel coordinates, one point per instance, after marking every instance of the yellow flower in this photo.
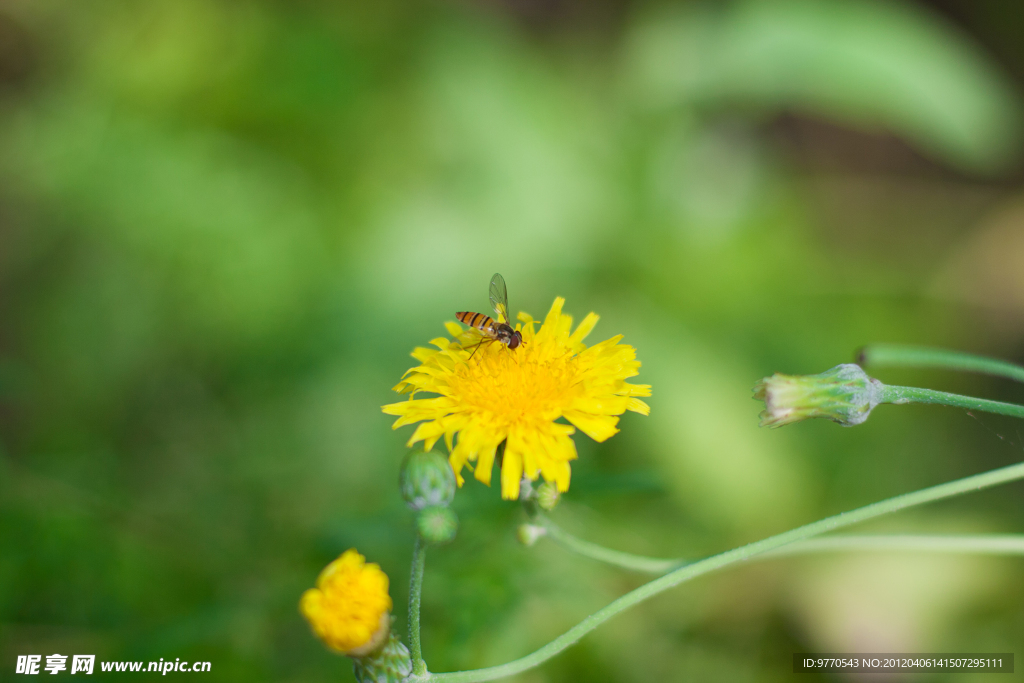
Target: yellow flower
(349, 608)
(517, 395)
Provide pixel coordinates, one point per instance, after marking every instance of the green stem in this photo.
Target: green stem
(900, 395)
(979, 544)
(419, 559)
(897, 355)
(988, 544)
(690, 571)
(640, 563)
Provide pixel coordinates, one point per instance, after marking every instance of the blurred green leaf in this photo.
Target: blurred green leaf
(874, 65)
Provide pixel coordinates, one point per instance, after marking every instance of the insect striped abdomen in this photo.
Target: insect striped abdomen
(478, 320)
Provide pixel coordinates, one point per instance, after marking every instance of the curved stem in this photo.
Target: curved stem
(902, 395)
(640, 563)
(690, 571)
(419, 560)
(898, 355)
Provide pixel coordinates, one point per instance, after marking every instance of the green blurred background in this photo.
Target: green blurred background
(224, 225)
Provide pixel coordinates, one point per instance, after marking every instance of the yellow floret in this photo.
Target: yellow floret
(349, 608)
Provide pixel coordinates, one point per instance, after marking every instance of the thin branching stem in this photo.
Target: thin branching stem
(898, 355)
(728, 558)
(640, 563)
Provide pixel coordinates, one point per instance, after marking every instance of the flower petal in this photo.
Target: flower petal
(511, 473)
(597, 427)
(584, 328)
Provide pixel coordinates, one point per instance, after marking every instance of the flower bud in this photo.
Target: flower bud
(529, 533)
(844, 394)
(388, 664)
(426, 479)
(548, 495)
(437, 524)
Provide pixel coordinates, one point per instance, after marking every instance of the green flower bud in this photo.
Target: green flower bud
(388, 664)
(548, 495)
(844, 394)
(426, 479)
(437, 524)
(529, 533)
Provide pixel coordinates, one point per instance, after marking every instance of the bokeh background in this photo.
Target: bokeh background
(224, 225)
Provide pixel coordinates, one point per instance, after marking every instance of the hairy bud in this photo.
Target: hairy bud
(844, 394)
(388, 664)
(426, 480)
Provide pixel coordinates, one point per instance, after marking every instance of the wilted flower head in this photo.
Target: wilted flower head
(516, 396)
(844, 394)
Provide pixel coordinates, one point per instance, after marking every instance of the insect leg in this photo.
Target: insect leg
(477, 347)
(473, 346)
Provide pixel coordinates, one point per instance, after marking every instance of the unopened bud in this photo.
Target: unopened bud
(548, 495)
(529, 533)
(437, 524)
(426, 479)
(844, 394)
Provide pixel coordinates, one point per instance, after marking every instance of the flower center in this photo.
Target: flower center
(515, 384)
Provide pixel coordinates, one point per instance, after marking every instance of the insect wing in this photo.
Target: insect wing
(499, 298)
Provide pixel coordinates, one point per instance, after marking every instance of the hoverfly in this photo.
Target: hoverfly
(494, 330)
